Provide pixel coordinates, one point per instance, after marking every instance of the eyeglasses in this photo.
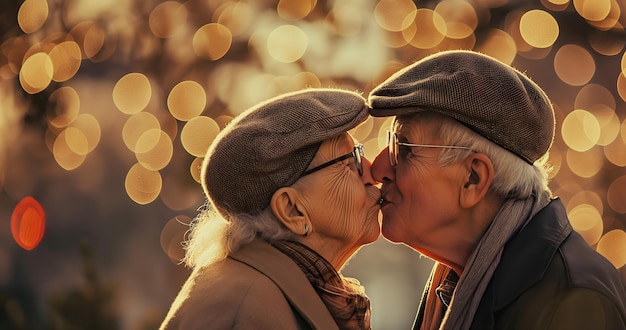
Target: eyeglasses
(394, 146)
(357, 153)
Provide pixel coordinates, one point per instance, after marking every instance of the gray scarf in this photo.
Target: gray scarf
(481, 265)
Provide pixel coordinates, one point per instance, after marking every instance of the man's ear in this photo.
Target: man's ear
(478, 180)
(284, 204)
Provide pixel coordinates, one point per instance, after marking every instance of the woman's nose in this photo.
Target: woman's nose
(367, 172)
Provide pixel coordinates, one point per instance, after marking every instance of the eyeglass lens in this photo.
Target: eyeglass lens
(393, 148)
(358, 154)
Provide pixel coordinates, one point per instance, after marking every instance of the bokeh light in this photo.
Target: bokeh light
(425, 29)
(90, 37)
(460, 18)
(198, 134)
(66, 58)
(143, 185)
(28, 223)
(172, 235)
(132, 93)
(585, 164)
(580, 130)
(539, 28)
(167, 18)
(613, 247)
(237, 16)
(36, 73)
(593, 10)
(32, 15)
(287, 43)
(393, 15)
(295, 9)
(615, 195)
(154, 149)
(63, 149)
(186, 100)
(212, 41)
(587, 221)
(136, 125)
(65, 106)
(573, 56)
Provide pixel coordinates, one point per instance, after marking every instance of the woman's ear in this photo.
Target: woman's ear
(284, 204)
(478, 180)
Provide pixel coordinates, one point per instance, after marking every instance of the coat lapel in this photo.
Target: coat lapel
(261, 256)
(526, 258)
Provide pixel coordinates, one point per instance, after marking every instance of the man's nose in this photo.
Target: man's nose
(381, 169)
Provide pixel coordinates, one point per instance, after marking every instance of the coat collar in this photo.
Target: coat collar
(523, 264)
(266, 259)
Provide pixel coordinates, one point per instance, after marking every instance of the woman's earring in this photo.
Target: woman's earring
(306, 229)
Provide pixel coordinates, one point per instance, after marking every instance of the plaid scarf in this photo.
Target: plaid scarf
(344, 297)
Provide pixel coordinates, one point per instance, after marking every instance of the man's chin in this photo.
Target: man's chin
(390, 235)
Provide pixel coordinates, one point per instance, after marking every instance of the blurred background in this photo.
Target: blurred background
(107, 108)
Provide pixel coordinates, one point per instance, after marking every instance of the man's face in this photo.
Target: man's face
(420, 204)
(342, 204)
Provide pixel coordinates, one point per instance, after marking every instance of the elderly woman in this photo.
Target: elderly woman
(293, 199)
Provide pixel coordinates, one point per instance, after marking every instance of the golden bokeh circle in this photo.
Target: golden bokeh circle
(167, 18)
(132, 93)
(36, 73)
(198, 134)
(136, 125)
(393, 15)
(574, 56)
(65, 105)
(186, 100)
(580, 130)
(587, 221)
(287, 43)
(212, 41)
(142, 185)
(539, 28)
(32, 15)
(613, 247)
(615, 194)
(154, 150)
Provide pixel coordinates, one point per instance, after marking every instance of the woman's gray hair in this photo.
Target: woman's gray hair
(212, 236)
(513, 177)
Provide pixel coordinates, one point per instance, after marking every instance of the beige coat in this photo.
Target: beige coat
(258, 287)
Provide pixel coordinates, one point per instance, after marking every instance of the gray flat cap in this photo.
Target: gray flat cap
(494, 99)
(270, 145)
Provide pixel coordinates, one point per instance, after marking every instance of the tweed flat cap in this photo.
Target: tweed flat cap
(270, 145)
(494, 99)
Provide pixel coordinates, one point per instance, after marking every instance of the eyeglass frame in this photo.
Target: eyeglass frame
(393, 152)
(358, 153)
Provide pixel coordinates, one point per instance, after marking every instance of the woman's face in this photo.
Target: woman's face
(342, 205)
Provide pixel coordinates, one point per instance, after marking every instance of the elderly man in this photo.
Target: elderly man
(465, 182)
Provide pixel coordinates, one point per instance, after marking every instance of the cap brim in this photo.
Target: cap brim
(388, 112)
